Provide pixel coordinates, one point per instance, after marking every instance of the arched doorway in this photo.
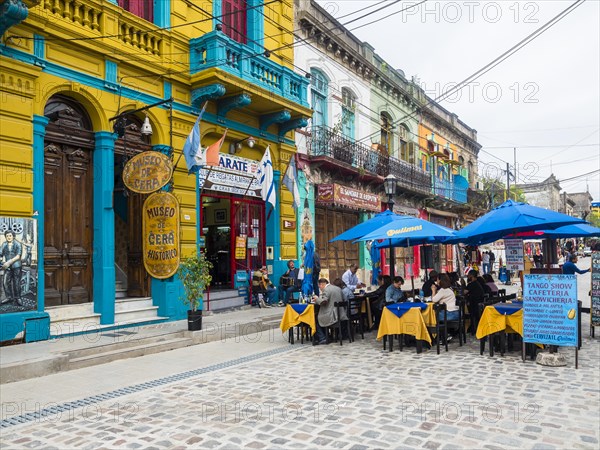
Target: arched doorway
(131, 275)
(68, 201)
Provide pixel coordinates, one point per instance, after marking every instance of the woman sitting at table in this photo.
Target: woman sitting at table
(394, 292)
(445, 296)
(489, 281)
(377, 298)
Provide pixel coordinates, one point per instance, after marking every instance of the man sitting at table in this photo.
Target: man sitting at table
(394, 292)
(474, 294)
(351, 279)
(286, 291)
(328, 312)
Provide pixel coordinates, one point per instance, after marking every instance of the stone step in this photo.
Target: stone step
(120, 342)
(130, 303)
(94, 328)
(129, 352)
(131, 315)
(120, 293)
(224, 303)
(65, 312)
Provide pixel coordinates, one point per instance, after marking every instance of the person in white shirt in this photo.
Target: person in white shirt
(351, 280)
(445, 296)
(485, 262)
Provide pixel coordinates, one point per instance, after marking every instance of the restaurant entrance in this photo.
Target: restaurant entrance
(234, 231)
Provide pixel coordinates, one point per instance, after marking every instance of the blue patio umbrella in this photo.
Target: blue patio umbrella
(568, 231)
(375, 263)
(512, 217)
(408, 232)
(369, 225)
(309, 260)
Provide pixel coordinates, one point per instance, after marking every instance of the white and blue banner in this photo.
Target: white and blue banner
(550, 310)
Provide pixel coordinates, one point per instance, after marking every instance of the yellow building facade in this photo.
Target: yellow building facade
(69, 67)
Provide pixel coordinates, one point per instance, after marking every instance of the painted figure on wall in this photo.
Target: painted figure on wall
(18, 265)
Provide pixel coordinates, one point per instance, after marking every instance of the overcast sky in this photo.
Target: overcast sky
(544, 96)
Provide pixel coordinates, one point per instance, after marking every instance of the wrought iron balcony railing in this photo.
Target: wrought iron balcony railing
(454, 190)
(323, 141)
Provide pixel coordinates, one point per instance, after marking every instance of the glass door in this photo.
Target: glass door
(248, 240)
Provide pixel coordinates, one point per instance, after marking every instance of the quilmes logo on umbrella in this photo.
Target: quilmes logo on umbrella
(403, 230)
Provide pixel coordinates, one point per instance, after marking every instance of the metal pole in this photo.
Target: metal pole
(507, 181)
(392, 250)
(515, 159)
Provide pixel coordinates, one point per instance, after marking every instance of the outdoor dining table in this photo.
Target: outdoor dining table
(407, 318)
(497, 318)
(295, 314)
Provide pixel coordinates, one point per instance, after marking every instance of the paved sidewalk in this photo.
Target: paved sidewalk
(258, 391)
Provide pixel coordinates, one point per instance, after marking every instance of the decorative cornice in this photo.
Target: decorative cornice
(277, 117)
(208, 92)
(229, 103)
(12, 12)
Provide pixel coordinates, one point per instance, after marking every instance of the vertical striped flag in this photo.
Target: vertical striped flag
(291, 182)
(265, 177)
(192, 150)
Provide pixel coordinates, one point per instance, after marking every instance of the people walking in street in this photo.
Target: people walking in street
(485, 262)
(492, 261)
(569, 268)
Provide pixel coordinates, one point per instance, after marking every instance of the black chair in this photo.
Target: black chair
(437, 329)
(336, 329)
(454, 324)
(355, 315)
(501, 292)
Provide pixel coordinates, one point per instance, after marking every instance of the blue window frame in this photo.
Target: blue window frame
(319, 86)
(348, 116)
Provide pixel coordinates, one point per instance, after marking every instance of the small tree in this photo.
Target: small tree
(194, 273)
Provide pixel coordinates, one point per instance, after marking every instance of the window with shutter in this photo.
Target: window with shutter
(234, 19)
(141, 8)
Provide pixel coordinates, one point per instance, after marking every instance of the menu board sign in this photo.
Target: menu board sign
(514, 254)
(550, 309)
(595, 306)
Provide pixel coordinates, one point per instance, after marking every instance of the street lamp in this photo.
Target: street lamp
(389, 184)
(237, 145)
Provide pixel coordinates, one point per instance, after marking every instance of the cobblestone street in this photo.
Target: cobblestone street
(258, 391)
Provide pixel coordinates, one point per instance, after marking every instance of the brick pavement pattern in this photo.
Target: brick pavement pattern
(351, 397)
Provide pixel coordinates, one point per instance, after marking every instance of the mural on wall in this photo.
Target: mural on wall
(18, 264)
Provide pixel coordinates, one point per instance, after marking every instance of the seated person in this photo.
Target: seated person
(351, 280)
(262, 285)
(486, 288)
(489, 281)
(377, 298)
(474, 294)
(432, 280)
(328, 312)
(394, 292)
(445, 296)
(454, 279)
(286, 290)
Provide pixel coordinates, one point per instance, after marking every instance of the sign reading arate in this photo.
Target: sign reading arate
(147, 172)
(161, 234)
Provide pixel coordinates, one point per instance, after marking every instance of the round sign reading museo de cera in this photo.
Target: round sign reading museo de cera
(161, 234)
(147, 172)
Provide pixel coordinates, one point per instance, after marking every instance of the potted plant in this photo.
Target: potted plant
(194, 273)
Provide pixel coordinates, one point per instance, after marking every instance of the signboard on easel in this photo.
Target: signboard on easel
(595, 300)
(514, 254)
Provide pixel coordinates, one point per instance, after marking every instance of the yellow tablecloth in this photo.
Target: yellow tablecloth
(291, 318)
(493, 322)
(412, 322)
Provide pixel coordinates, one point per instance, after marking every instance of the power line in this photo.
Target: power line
(539, 31)
(547, 146)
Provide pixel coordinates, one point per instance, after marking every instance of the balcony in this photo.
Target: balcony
(352, 157)
(456, 190)
(216, 50)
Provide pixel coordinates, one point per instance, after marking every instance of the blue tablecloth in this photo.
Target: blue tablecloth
(299, 307)
(400, 308)
(508, 308)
